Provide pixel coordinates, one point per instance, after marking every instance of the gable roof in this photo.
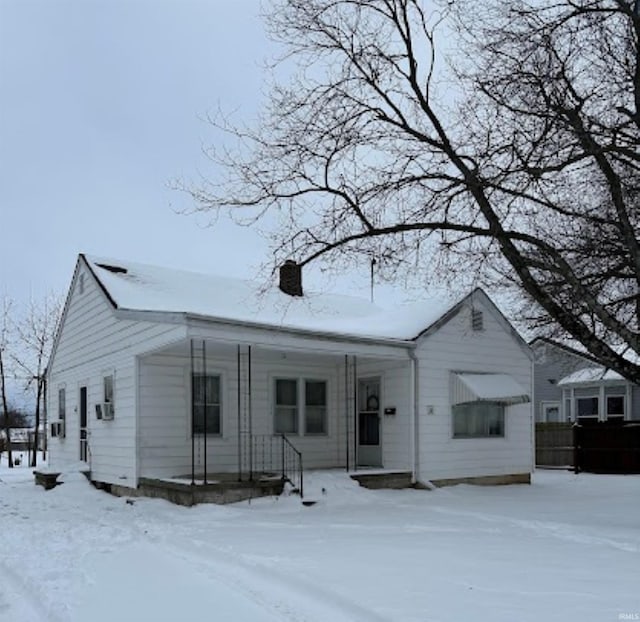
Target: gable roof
(140, 287)
(143, 288)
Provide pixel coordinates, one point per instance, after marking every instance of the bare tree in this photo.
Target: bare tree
(36, 332)
(5, 311)
(517, 165)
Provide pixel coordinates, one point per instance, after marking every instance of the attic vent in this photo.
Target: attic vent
(291, 278)
(477, 320)
(114, 269)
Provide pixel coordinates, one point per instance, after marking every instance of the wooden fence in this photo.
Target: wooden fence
(607, 448)
(596, 448)
(554, 444)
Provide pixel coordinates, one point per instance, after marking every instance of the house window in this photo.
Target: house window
(299, 400)
(586, 408)
(206, 404)
(615, 407)
(108, 389)
(286, 406)
(62, 403)
(315, 407)
(551, 411)
(478, 420)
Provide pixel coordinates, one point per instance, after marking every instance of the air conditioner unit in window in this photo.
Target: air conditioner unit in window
(107, 411)
(57, 429)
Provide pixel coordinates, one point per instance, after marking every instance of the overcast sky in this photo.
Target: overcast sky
(101, 106)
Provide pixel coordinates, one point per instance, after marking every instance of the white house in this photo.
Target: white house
(159, 374)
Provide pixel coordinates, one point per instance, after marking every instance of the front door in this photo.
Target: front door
(83, 424)
(369, 446)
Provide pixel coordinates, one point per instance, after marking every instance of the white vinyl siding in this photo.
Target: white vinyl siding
(456, 346)
(91, 340)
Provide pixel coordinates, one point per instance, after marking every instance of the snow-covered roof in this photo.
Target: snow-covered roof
(590, 375)
(141, 287)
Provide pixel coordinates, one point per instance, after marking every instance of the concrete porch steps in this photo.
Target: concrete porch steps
(377, 479)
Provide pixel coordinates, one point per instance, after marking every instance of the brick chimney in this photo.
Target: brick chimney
(291, 278)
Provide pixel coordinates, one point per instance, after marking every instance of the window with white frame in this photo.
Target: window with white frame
(478, 420)
(615, 406)
(551, 411)
(300, 404)
(62, 403)
(587, 408)
(207, 404)
(107, 383)
(315, 407)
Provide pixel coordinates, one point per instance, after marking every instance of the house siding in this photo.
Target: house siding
(93, 343)
(165, 438)
(551, 365)
(456, 347)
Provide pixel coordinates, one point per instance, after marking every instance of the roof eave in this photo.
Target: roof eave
(190, 318)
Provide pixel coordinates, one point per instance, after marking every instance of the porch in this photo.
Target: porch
(252, 417)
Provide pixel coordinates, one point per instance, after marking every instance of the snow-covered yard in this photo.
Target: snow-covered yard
(565, 548)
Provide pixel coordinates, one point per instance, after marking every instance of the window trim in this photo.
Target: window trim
(616, 416)
(502, 436)
(190, 401)
(545, 404)
(576, 409)
(62, 412)
(301, 421)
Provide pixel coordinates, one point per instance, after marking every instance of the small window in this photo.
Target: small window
(478, 420)
(81, 283)
(315, 407)
(615, 407)
(586, 408)
(477, 320)
(62, 403)
(286, 406)
(206, 404)
(108, 389)
(551, 411)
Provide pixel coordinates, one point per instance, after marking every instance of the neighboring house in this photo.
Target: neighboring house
(21, 438)
(156, 373)
(571, 386)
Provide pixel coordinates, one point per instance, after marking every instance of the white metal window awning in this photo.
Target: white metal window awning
(488, 388)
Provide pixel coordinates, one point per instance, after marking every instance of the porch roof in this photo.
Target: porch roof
(140, 287)
(590, 375)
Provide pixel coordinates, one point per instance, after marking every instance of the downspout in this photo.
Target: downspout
(414, 419)
(533, 414)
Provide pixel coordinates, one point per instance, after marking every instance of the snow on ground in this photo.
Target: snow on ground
(565, 548)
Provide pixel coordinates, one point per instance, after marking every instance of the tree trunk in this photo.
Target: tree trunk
(5, 408)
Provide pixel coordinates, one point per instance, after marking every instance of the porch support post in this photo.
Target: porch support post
(206, 426)
(346, 407)
(355, 412)
(415, 418)
(193, 437)
(239, 418)
(250, 413)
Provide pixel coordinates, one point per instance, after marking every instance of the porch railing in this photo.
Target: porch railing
(275, 454)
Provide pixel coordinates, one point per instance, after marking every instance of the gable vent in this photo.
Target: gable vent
(477, 320)
(291, 278)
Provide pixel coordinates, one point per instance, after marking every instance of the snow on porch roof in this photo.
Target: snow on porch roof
(488, 388)
(142, 287)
